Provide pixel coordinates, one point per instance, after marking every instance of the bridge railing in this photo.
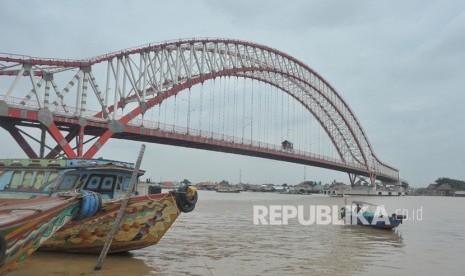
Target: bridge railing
(238, 140)
(20, 102)
(56, 109)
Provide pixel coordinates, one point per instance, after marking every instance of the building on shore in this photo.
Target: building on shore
(435, 190)
(207, 185)
(170, 184)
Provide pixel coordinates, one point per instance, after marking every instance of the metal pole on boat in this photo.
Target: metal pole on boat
(119, 217)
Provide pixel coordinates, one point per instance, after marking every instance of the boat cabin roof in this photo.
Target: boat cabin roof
(61, 163)
(363, 203)
(26, 177)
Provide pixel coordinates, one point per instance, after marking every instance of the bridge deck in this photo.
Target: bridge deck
(153, 132)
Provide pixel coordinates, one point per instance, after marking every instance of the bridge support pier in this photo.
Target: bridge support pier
(373, 180)
(352, 178)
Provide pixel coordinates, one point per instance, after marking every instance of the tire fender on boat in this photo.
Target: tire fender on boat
(186, 198)
(2, 249)
(90, 204)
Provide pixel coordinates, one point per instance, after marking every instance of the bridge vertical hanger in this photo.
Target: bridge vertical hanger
(215, 52)
(124, 77)
(243, 112)
(143, 74)
(79, 93)
(85, 81)
(189, 77)
(107, 89)
(48, 80)
(178, 64)
(251, 112)
(117, 89)
(201, 71)
(162, 54)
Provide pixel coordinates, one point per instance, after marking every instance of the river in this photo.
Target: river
(220, 238)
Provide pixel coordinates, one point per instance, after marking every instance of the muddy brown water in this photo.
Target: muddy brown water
(219, 238)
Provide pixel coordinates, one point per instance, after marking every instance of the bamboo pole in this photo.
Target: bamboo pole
(119, 217)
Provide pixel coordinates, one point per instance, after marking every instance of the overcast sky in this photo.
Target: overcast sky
(400, 65)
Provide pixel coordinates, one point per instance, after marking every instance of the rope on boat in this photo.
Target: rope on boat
(173, 197)
(157, 199)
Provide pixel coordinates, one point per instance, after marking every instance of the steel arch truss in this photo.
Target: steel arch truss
(135, 80)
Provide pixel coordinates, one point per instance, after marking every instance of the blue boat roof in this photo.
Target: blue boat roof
(96, 162)
(363, 203)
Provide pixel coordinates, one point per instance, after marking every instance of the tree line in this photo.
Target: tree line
(455, 184)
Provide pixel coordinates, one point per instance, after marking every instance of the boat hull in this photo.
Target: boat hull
(381, 224)
(27, 223)
(145, 221)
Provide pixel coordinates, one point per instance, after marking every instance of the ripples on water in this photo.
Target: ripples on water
(219, 238)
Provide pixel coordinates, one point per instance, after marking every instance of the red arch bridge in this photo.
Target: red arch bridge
(213, 94)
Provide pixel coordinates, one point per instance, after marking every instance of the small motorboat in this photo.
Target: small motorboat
(371, 215)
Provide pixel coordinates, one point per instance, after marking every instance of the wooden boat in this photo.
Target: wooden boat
(25, 224)
(146, 218)
(227, 190)
(367, 214)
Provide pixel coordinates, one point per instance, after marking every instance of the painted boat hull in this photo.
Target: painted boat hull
(393, 223)
(145, 221)
(25, 224)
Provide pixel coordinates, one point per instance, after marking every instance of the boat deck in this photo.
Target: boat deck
(14, 210)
